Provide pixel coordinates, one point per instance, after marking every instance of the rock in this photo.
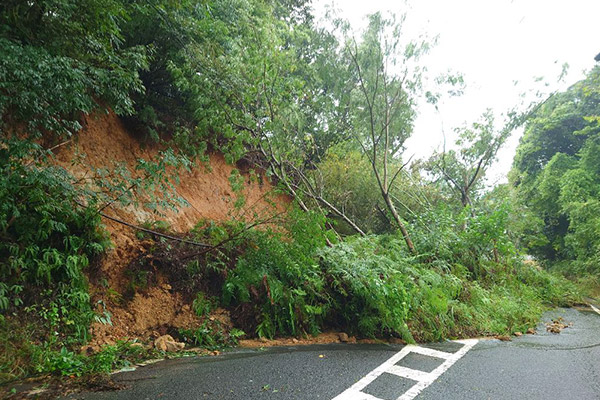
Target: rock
(343, 337)
(553, 329)
(504, 338)
(557, 325)
(352, 339)
(531, 331)
(294, 340)
(173, 347)
(517, 334)
(167, 343)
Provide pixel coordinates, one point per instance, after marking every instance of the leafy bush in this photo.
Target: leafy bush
(371, 287)
(48, 239)
(367, 288)
(279, 280)
(211, 335)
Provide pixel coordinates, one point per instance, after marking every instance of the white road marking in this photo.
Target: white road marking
(408, 373)
(350, 394)
(594, 308)
(432, 353)
(423, 379)
(436, 373)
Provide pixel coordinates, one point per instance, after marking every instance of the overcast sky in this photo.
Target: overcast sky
(493, 43)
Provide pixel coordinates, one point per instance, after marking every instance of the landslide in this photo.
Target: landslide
(105, 143)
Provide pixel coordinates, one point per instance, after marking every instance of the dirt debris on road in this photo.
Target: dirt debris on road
(557, 325)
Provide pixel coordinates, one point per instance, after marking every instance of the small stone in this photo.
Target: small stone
(343, 337)
(294, 340)
(531, 331)
(517, 334)
(504, 338)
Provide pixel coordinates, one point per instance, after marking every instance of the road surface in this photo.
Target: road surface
(541, 366)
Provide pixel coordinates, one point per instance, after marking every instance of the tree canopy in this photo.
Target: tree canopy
(555, 171)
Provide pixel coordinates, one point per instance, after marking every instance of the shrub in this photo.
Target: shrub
(48, 239)
(279, 279)
(367, 288)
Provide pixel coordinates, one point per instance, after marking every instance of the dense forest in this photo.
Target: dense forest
(373, 244)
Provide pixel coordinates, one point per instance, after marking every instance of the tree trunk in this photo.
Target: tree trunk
(392, 208)
(496, 254)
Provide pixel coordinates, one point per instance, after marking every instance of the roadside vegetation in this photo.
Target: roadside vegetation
(370, 246)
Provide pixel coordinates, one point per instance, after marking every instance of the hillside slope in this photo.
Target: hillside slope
(106, 143)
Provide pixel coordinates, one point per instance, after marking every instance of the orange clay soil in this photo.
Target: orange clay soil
(104, 142)
(322, 338)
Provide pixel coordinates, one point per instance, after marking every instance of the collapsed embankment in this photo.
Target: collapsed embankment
(105, 144)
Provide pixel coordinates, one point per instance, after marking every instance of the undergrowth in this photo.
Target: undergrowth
(23, 354)
(287, 281)
(48, 240)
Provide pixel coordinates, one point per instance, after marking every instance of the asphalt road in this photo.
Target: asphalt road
(541, 366)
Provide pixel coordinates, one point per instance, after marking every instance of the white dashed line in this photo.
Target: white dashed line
(594, 308)
(422, 378)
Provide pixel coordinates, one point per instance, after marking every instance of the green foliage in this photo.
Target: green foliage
(211, 335)
(280, 280)
(346, 179)
(466, 282)
(61, 58)
(324, 117)
(556, 175)
(25, 354)
(202, 305)
(367, 287)
(464, 168)
(48, 239)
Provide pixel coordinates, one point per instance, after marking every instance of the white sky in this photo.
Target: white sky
(493, 43)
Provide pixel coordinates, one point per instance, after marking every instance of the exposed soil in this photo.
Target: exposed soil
(323, 338)
(104, 142)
